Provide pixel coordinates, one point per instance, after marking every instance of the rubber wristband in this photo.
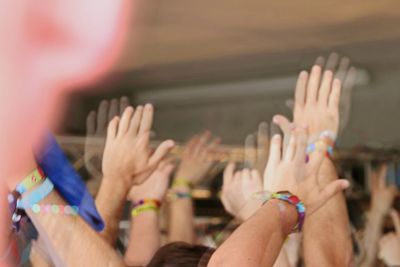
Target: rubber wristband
(181, 182)
(36, 195)
(144, 208)
(294, 200)
(175, 195)
(32, 179)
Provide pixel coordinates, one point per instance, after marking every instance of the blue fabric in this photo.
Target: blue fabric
(68, 182)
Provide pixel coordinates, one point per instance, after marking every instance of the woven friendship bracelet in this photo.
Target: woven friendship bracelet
(154, 201)
(294, 200)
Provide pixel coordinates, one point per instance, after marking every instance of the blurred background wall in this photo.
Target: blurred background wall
(227, 65)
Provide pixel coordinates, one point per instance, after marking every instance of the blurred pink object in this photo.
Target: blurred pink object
(48, 47)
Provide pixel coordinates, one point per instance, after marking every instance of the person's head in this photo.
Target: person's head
(181, 254)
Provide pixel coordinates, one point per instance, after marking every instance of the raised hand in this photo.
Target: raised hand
(382, 195)
(155, 187)
(237, 189)
(196, 163)
(289, 172)
(256, 148)
(343, 72)
(127, 155)
(389, 244)
(96, 128)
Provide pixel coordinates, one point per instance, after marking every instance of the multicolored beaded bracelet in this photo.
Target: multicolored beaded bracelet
(55, 209)
(30, 180)
(294, 200)
(144, 208)
(141, 202)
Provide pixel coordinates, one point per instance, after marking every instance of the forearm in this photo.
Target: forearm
(110, 202)
(373, 232)
(181, 218)
(335, 248)
(144, 239)
(258, 241)
(70, 241)
(181, 221)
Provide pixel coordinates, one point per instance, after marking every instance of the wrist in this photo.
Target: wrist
(288, 216)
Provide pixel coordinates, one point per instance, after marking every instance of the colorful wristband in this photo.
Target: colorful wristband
(144, 208)
(55, 209)
(294, 200)
(153, 201)
(181, 182)
(36, 195)
(30, 180)
(174, 195)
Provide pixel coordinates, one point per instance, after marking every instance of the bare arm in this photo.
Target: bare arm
(382, 197)
(181, 218)
(335, 248)
(144, 237)
(193, 168)
(260, 238)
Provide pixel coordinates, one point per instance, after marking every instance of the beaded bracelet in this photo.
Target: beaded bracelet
(181, 182)
(141, 202)
(144, 208)
(294, 200)
(55, 209)
(30, 180)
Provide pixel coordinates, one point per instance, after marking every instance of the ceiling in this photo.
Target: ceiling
(177, 39)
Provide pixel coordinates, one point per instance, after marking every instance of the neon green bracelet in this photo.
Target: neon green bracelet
(144, 208)
(181, 182)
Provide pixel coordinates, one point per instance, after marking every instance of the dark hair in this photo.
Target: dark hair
(181, 254)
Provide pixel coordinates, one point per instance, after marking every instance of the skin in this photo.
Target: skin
(317, 98)
(252, 245)
(96, 130)
(237, 190)
(256, 148)
(144, 237)
(382, 197)
(194, 167)
(70, 241)
(35, 43)
(389, 244)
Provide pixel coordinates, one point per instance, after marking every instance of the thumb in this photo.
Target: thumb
(328, 192)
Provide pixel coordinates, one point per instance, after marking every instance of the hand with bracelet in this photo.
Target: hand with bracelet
(144, 238)
(196, 161)
(260, 238)
(237, 191)
(317, 102)
(127, 161)
(193, 168)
